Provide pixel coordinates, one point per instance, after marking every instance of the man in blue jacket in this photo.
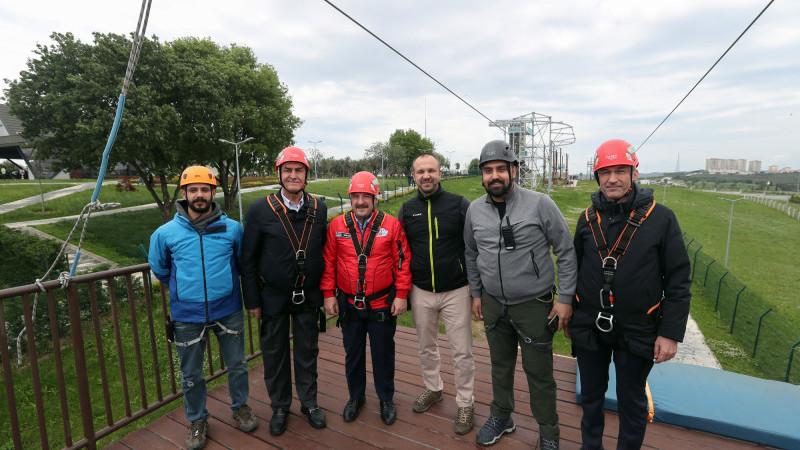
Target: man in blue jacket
(197, 254)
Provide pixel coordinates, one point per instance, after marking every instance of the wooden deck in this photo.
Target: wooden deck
(432, 429)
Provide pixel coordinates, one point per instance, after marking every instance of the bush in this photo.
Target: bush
(125, 184)
(794, 199)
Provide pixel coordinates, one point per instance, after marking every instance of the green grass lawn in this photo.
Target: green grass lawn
(10, 193)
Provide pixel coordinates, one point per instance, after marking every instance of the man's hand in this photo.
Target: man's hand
(476, 308)
(665, 349)
(399, 306)
(331, 306)
(564, 311)
(256, 312)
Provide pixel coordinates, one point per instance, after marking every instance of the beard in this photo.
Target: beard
(498, 191)
(200, 208)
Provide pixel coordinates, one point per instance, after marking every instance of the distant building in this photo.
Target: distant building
(719, 165)
(786, 170)
(773, 169)
(754, 166)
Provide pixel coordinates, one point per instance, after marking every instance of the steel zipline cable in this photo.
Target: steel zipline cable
(94, 204)
(412, 63)
(705, 74)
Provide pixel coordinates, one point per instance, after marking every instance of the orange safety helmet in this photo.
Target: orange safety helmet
(615, 152)
(364, 182)
(198, 174)
(291, 154)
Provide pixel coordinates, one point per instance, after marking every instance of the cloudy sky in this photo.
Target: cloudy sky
(609, 68)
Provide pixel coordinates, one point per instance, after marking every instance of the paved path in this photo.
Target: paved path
(21, 203)
(693, 350)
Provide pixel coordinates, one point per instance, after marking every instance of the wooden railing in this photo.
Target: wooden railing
(114, 330)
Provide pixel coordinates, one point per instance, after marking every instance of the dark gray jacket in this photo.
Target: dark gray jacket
(527, 272)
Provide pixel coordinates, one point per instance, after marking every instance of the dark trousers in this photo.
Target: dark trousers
(631, 375)
(275, 349)
(355, 329)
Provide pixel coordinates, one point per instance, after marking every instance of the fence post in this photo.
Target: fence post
(735, 307)
(694, 264)
(79, 355)
(706, 277)
(341, 202)
(758, 330)
(789, 366)
(719, 288)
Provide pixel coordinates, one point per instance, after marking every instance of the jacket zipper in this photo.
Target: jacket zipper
(203, 265)
(430, 246)
(535, 267)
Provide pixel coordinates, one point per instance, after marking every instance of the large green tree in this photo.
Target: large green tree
(412, 145)
(186, 95)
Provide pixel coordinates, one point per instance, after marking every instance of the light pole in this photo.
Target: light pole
(315, 157)
(238, 178)
(730, 225)
(449, 159)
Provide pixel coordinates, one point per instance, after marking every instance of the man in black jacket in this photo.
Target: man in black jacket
(281, 269)
(631, 252)
(434, 224)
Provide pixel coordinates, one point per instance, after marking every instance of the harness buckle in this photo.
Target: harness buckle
(603, 317)
(360, 302)
(613, 260)
(300, 255)
(362, 261)
(298, 297)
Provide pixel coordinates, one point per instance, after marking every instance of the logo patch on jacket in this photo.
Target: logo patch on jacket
(382, 232)
(342, 234)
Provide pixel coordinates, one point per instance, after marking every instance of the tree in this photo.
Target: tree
(474, 164)
(412, 145)
(185, 96)
(458, 167)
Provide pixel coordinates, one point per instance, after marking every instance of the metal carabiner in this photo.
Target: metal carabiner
(607, 317)
(360, 300)
(298, 297)
(607, 304)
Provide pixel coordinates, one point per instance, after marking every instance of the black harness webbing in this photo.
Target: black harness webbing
(299, 245)
(363, 252)
(610, 257)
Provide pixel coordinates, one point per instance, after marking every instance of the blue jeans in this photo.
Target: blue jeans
(232, 350)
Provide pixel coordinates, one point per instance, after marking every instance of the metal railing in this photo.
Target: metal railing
(95, 360)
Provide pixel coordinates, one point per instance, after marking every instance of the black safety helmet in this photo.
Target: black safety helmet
(498, 151)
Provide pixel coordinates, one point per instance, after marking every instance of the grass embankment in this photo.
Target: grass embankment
(10, 193)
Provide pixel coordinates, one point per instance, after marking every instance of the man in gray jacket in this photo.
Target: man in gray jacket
(508, 235)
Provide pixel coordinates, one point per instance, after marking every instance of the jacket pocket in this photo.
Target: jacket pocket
(535, 266)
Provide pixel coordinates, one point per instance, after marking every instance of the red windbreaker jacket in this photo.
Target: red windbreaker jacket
(386, 265)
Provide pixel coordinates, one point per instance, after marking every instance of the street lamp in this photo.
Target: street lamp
(238, 178)
(730, 225)
(449, 159)
(315, 157)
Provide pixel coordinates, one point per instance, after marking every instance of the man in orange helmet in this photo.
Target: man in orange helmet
(631, 252)
(366, 258)
(281, 269)
(197, 254)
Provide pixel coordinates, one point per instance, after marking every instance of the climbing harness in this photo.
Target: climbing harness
(610, 257)
(299, 245)
(171, 333)
(360, 300)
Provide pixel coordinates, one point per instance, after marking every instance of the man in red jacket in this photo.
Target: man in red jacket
(366, 258)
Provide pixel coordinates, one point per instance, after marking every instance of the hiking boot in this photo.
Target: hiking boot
(315, 416)
(465, 419)
(197, 435)
(547, 444)
(493, 429)
(245, 418)
(426, 400)
(277, 425)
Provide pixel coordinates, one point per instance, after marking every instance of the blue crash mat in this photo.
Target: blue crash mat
(726, 403)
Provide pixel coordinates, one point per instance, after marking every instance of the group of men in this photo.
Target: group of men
(625, 274)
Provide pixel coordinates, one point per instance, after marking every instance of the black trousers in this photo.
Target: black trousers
(355, 330)
(275, 348)
(631, 376)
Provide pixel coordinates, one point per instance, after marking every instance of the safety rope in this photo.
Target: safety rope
(94, 204)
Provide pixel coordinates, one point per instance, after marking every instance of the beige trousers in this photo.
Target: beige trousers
(455, 308)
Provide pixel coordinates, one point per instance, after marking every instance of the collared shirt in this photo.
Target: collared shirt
(364, 225)
(291, 205)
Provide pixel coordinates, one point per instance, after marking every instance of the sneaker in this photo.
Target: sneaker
(465, 419)
(426, 400)
(493, 429)
(245, 418)
(197, 435)
(547, 444)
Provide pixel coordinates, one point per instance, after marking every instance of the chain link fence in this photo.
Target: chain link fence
(764, 332)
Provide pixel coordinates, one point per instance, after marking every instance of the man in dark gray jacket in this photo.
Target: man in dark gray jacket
(508, 235)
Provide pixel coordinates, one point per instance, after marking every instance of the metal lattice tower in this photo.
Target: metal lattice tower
(537, 142)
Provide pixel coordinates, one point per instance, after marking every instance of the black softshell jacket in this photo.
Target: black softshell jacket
(656, 263)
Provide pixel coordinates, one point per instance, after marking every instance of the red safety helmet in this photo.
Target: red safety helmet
(291, 154)
(615, 152)
(364, 182)
(198, 174)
